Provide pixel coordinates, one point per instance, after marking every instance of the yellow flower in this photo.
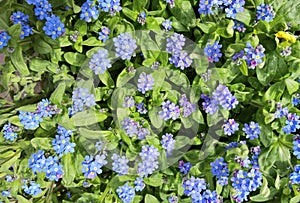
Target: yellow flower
(286, 36)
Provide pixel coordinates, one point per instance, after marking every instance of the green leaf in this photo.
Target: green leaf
(69, 169)
(86, 118)
(41, 143)
(57, 95)
(291, 85)
(18, 61)
(244, 17)
(75, 59)
(150, 199)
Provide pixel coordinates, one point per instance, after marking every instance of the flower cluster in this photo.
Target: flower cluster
(168, 143)
(230, 127)
(139, 184)
(265, 12)
(100, 62)
(120, 164)
(296, 147)
(292, 123)
(142, 18)
(4, 38)
(54, 27)
(149, 164)
(81, 100)
(169, 111)
(89, 11)
(91, 166)
(232, 8)
(167, 24)
(174, 46)
(252, 130)
(219, 168)
(252, 56)
(61, 144)
(42, 8)
(145, 82)
(50, 165)
(125, 46)
(196, 188)
(126, 193)
(245, 182)
(133, 128)
(295, 175)
(22, 19)
(33, 189)
(239, 26)
(104, 34)
(213, 51)
(220, 97)
(184, 167)
(281, 112)
(188, 107)
(10, 132)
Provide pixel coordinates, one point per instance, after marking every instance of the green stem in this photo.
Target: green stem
(104, 194)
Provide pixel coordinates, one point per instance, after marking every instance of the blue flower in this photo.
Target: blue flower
(89, 11)
(213, 51)
(120, 164)
(42, 9)
(9, 132)
(296, 146)
(81, 100)
(126, 193)
(168, 143)
(252, 130)
(167, 24)
(188, 107)
(175, 43)
(4, 38)
(181, 60)
(142, 18)
(62, 145)
(206, 7)
(149, 164)
(141, 108)
(30, 120)
(125, 46)
(292, 124)
(219, 168)
(92, 165)
(33, 189)
(173, 199)
(239, 26)
(139, 184)
(265, 12)
(100, 61)
(104, 34)
(295, 175)
(184, 167)
(281, 112)
(169, 111)
(145, 82)
(54, 27)
(230, 127)
(111, 6)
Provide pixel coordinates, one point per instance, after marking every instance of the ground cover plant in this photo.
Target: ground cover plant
(149, 101)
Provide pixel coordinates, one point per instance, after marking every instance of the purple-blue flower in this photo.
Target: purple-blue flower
(125, 46)
(252, 130)
(230, 127)
(100, 61)
(145, 82)
(126, 193)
